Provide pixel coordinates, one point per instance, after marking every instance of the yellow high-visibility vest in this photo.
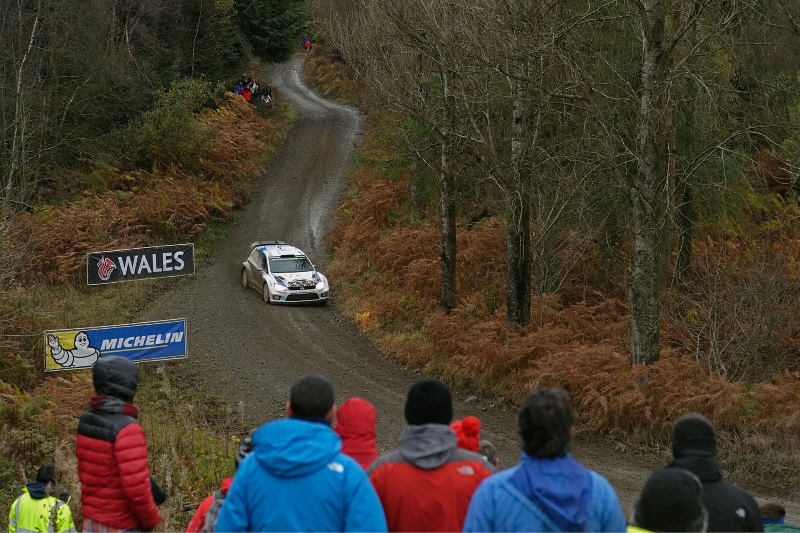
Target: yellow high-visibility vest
(45, 515)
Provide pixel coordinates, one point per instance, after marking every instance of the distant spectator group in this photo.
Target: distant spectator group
(319, 469)
(253, 91)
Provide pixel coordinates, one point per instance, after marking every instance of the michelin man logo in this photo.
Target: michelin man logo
(81, 356)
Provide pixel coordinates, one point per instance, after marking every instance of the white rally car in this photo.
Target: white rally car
(283, 274)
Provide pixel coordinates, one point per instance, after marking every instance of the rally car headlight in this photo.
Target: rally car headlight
(322, 285)
(280, 288)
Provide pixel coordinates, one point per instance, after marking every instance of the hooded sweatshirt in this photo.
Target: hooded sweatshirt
(694, 448)
(296, 479)
(427, 483)
(545, 495)
(355, 425)
(37, 510)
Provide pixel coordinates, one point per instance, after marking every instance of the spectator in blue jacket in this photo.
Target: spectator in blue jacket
(296, 478)
(548, 490)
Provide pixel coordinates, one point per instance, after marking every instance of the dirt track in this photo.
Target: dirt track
(248, 353)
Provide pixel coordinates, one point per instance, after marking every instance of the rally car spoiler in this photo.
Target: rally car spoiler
(264, 243)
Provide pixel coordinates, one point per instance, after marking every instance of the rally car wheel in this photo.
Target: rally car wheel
(267, 295)
(245, 282)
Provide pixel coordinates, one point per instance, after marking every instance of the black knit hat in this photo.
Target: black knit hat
(693, 435)
(671, 500)
(115, 376)
(429, 402)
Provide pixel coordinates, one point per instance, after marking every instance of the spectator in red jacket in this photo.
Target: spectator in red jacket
(203, 520)
(427, 483)
(116, 494)
(355, 425)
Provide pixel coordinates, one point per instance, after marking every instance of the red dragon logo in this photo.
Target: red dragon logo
(104, 268)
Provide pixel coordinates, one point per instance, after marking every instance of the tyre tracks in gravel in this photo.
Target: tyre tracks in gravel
(248, 353)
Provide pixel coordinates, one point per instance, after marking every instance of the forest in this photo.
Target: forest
(599, 195)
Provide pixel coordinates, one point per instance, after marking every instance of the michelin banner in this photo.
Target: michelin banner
(140, 263)
(69, 349)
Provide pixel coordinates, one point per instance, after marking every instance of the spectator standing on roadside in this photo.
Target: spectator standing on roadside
(548, 490)
(207, 513)
(296, 478)
(671, 500)
(355, 425)
(38, 509)
(116, 493)
(773, 517)
(694, 447)
(426, 484)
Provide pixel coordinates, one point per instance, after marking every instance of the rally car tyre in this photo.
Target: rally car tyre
(245, 282)
(267, 295)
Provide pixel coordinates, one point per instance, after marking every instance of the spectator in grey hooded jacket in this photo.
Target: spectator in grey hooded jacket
(427, 483)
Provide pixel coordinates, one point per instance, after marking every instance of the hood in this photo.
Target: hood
(291, 447)
(708, 469)
(115, 376)
(298, 276)
(355, 425)
(37, 490)
(427, 446)
(560, 487)
(693, 435)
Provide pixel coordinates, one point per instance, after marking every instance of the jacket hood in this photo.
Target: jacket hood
(427, 446)
(37, 490)
(355, 425)
(115, 376)
(291, 447)
(560, 487)
(708, 469)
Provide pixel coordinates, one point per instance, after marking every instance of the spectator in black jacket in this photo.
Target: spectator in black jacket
(694, 448)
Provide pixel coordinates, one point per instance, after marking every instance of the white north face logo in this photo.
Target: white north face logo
(740, 512)
(336, 467)
(466, 470)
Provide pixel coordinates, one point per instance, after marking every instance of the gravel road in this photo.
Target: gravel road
(248, 353)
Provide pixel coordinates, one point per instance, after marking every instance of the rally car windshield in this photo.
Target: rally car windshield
(288, 265)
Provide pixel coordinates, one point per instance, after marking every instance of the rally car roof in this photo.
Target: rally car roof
(276, 249)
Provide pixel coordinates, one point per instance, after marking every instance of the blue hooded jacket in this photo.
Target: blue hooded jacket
(296, 479)
(545, 495)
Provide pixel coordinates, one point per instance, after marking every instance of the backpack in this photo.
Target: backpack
(212, 515)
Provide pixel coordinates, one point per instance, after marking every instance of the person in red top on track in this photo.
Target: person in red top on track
(116, 493)
(355, 425)
(427, 483)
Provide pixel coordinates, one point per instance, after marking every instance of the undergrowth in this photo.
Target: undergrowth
(191, 438)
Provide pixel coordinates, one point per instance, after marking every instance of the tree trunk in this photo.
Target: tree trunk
(518, 297)
(649, 194)
(447, 209)
(447, 212)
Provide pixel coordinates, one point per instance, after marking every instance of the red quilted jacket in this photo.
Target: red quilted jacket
(112, 466)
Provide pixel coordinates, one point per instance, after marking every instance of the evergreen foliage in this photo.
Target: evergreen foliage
(272, 27)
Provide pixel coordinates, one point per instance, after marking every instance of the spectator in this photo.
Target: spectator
(116, 493)
(548, 490)
(426, 484)
(296, 479)
(489, 452)
(38, 509)
(694, 447)
(246, 93)
(671, 500)
(773, 516)
(467, 433)
(207, 513)
(355, 425)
